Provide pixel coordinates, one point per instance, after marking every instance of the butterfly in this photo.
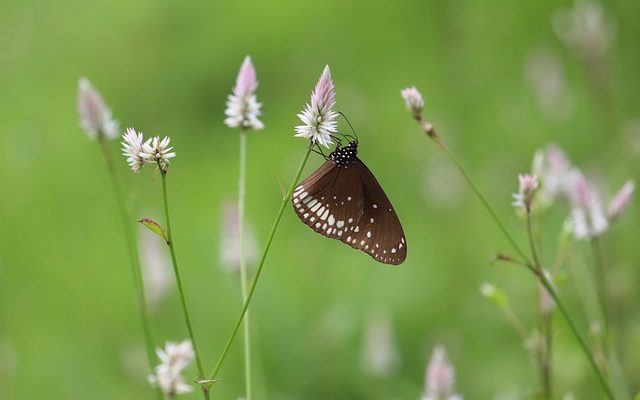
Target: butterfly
(343, 200)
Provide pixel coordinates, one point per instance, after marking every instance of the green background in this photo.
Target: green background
(68, 326)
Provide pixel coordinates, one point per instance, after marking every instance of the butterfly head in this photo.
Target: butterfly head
(343, 156)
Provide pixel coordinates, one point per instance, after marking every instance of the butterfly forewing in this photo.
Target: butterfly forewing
(346, 202)
(330, 200)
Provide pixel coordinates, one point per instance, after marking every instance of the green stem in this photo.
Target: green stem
(544, 355)
(601, 284)
(536, 270)
(138, 280)
(176, 271)
(254, 281)
(243, 261)
(483, 199)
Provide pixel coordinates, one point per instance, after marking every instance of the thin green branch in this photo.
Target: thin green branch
(600, 276)
(256, 276)
(243, 261)
(176, 271)
(132, 250)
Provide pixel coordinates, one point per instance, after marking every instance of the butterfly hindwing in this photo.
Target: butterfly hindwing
(379, 233)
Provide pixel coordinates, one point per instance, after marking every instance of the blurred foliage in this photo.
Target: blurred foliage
(68, 326)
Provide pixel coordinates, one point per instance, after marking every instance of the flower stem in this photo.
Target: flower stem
(601, 283)
(138, 281)
(544, 346)
(243, 261)
(482, 199)
(428, 128)
(254, 281)
(176, 271)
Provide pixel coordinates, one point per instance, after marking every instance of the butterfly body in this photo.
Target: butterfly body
(343, 200)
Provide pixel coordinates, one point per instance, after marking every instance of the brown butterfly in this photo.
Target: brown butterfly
(343, 200)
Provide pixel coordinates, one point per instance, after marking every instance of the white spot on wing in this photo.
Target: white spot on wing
(340, 224)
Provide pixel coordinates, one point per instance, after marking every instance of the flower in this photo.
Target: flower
(380, 354)
(174, 358)
(318, 117)
(584, 29)
(158, 151)
(230, 240)
(95, 116)
(528, 186)
(414, 101)
(243, 109)
(554, 169)
(588, 218)
(621, 200)
(132, 149)
(440, 377)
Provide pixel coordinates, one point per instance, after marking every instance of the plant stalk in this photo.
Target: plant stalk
(134, 260)
(536, 270)
(243, 261)
(254, 281)
(176, 270)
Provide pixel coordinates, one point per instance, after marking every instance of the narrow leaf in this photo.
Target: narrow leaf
(154, 227)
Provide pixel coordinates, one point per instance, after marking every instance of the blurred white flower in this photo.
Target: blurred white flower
(174, 358)
(132, 149)
(380, 354)
(554, 170)
(440, 377)
(621, 200)
(156, 267)
(413, 100)
(95, 117)
(318, 118)
(527, 187)
(545, 76)
(584, 29)
(230, 240)
(588, 217)
(243, 108)
(158, 151)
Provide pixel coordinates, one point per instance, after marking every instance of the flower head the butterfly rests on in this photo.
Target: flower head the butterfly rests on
(95, 117)
(318, 116)
(243, 108)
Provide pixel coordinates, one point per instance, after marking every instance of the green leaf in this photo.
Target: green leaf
(637, 397)
(154, 227)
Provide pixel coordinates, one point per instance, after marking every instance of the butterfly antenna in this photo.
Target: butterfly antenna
(350, 126)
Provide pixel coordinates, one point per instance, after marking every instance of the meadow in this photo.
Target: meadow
(500, 80)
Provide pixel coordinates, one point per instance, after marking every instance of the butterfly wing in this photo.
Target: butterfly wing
(378, 232)
(330, 201)
(348, 204)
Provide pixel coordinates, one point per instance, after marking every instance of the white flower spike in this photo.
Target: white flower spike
(132, 149)
(318, 118)
(174, 358)
(413, 100)
(243, 108)
(158, 151)
(524, 197)
(440, 377)
(95, 116)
